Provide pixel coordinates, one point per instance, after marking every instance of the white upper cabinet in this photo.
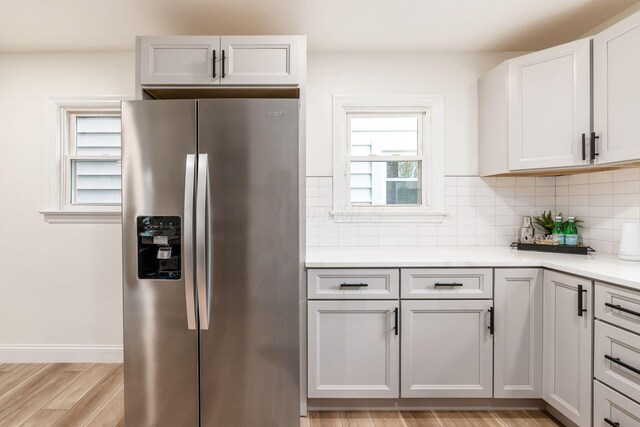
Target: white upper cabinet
(260, 60)
(179, 60)
(220, 60)
(616, 91)
(549, 107)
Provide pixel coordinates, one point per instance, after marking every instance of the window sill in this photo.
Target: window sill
(389, 215)
(107, 216)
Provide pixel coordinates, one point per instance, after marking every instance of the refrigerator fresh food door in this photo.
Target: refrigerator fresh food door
(160, 326)
(248, 305)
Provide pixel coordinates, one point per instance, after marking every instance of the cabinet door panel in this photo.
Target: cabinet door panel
(186, 60)
(616, 96)
(353, 349)
(518, 333)
(446, 349)
(567, 349)
(260, 60)
(550, 107)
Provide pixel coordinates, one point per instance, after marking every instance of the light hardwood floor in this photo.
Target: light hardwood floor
(85, 394)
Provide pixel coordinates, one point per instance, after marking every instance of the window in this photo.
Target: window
(388, 159)
(92, 159)
(85, 154)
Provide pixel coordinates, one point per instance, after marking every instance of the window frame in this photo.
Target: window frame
(430, 153)
(60, 156)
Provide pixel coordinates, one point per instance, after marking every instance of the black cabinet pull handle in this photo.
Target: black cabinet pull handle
(594, 153)
(611, 423)
(620, 308)
(223, 59)
(617, 361)
(491, 320)
(580, 300)
(354, 285)
(213, 61)
(584, 146)
(438, 284)
(395, 316)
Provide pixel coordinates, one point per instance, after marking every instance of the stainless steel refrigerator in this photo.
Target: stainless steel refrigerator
(212, 262)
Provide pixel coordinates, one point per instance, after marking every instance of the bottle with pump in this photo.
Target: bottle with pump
(558, 232)
(571, 233)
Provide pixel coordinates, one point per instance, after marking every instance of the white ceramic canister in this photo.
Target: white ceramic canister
(630, 242)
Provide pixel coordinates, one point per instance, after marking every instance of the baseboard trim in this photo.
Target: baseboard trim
(61, 354)
(422, 404)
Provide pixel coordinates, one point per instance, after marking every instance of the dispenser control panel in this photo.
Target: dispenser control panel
(159, 247)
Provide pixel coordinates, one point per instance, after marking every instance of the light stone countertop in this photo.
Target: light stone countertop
(601, 267)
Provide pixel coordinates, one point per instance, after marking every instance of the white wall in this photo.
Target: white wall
(60, 285)
(454, 75)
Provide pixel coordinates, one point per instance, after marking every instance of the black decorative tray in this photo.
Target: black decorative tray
(560, 249)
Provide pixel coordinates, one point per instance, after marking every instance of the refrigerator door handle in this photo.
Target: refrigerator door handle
(189, 189)
(202, 238)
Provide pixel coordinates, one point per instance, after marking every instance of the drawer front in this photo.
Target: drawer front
(624, 347)
(612, 408)
(353, 283)
(447, 283)
(626, 306)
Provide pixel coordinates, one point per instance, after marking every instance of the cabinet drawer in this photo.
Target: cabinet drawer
(624, 347)
(447, 283)
(612, 408)
(626, 306)
(353, 283)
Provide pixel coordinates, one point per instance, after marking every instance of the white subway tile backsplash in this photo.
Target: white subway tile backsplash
(597, 177)
(632, 174)
(488, 211)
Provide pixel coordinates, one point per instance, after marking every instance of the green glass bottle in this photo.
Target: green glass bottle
(558, 231)
(571, 233)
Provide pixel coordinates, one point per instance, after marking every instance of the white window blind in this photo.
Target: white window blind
(93, 159)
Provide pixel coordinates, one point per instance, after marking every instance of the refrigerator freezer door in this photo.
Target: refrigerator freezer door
(249, 358)
(160, 351)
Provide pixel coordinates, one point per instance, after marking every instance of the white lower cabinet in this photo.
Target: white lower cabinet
(447, 348)
(567, 352)
(353, 349)
(518, 333)
(610, 408)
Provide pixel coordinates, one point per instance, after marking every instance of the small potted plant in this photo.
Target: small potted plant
(544, 223)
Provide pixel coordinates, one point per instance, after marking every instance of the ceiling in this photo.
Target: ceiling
(331, 25)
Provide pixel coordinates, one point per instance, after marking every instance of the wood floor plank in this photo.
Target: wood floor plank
(387, 419)
(18, 375)
(419, 419)
(451, 418)
(32, 379)
(111, 412)
(304, 422)
(483, 418)
(516, 419)
(81, 386)
(542, 418)
(21, 406)
(356, 419)
(44, 418)
(81, 367)
(325, 419)
(82, 411)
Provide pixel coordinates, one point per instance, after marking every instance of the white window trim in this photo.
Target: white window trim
(433, 211)
(57, 210)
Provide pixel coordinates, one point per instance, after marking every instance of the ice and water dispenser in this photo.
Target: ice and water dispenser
(159, 247)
